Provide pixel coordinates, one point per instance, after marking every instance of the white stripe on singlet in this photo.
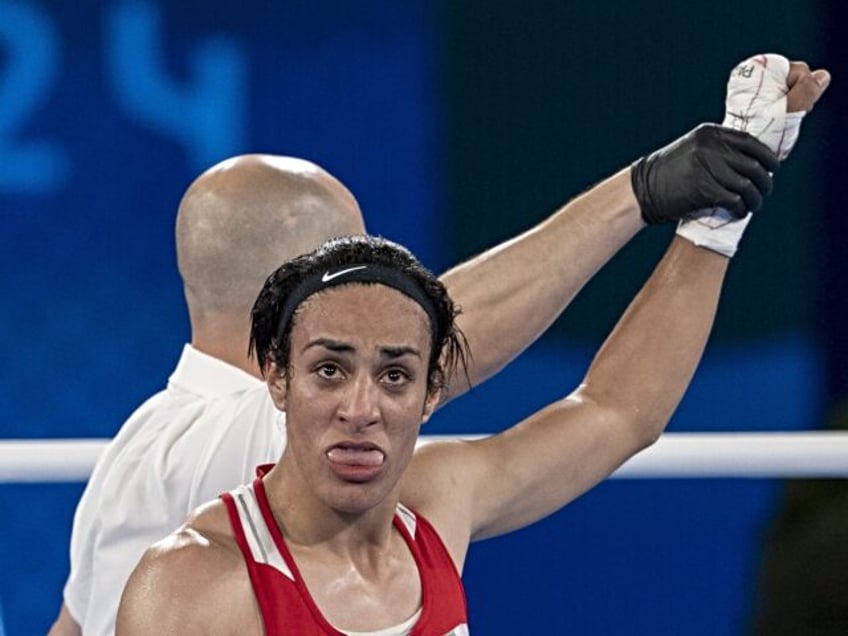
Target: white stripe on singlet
(408, 518)
(259, 539)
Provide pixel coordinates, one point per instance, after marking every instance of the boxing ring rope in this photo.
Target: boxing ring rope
(816, 454)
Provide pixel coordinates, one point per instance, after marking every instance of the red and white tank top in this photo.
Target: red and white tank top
(285, 603)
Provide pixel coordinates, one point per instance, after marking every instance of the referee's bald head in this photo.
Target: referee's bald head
(244, 216)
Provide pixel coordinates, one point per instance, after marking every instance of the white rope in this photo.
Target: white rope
(754, 455)
(42, 460)
(675, 455)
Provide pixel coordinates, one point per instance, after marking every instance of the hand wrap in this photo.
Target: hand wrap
(756, 104)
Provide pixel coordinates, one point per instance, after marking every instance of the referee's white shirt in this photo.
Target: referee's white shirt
(204, 434)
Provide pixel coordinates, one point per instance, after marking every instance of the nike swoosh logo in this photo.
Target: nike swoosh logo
(328, 276)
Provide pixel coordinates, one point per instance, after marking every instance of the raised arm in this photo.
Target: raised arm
(474, 490)
(625, 400)
(511, 294)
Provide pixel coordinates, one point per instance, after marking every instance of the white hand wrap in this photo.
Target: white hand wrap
(756, 104)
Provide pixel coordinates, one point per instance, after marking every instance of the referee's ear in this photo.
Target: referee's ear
(275, 378)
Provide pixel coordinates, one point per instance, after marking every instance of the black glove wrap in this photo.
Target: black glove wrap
(711, 166)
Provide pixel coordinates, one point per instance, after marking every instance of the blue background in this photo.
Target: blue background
(455, 126)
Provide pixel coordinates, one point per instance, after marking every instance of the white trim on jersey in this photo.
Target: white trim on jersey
(259, 539)
(408, 518)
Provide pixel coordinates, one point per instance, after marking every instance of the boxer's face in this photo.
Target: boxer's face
(356, 392)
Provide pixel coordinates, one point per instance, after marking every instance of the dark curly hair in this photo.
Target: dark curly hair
(270, 341)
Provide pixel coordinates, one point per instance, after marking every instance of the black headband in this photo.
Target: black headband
(354, 273)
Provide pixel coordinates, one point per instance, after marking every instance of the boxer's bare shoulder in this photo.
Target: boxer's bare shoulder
(192, 581)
